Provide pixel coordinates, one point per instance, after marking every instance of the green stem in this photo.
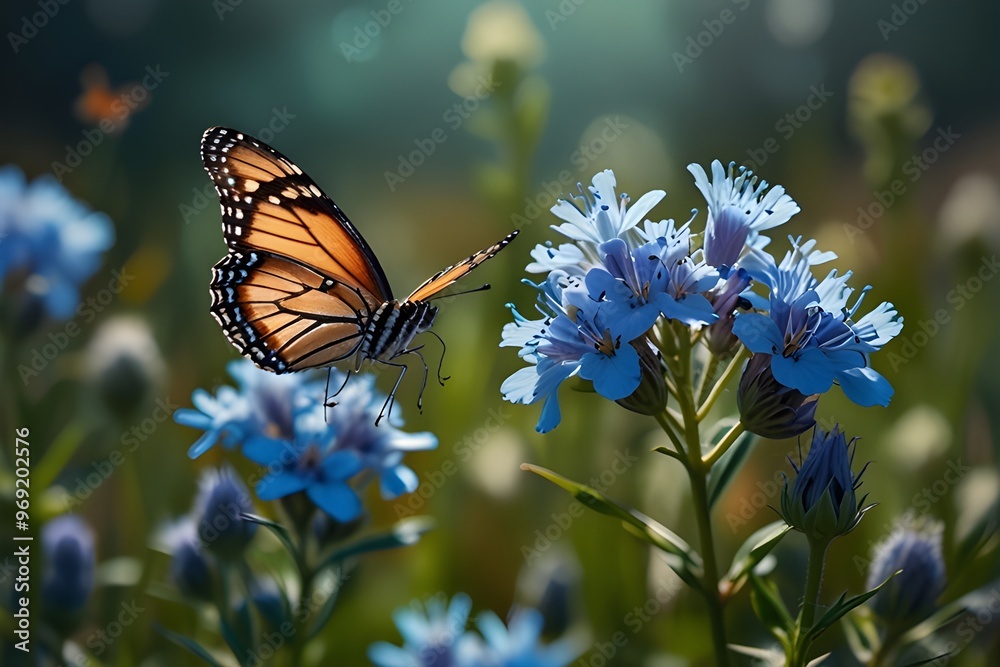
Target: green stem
(732, 435)
(735, 365)
(810, 601)
(698, 472)
(707, 376)
(814, 581)
(699, 493)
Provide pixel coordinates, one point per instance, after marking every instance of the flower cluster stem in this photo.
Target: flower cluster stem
(734, 367)
(698, 472)
(731, 436)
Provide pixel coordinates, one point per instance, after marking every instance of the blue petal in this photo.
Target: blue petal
(384, 654)
(192, 418)
(810, 373)
(280, 484)
(203, 444)
(692, 309)
(865, 386)
(266, 451)
(396, 481)
(614, 376)
(758, 332)
(342, 464)
(551, 415)
(520, 387)
(336, 499)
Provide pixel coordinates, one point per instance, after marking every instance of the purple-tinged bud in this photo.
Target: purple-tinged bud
(770, 409)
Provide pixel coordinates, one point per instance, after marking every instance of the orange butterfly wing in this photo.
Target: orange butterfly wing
(284, 316)
(447, 277)
(269, 204)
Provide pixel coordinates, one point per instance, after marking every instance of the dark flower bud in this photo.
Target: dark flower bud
(770, 409)
(822, 501)
(725, 301)
(68, 571)
(650, 397)
(124, 364)
(191, 569)
(218, 514)
(911, 596)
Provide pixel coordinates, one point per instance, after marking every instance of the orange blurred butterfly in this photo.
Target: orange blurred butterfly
(300, 287)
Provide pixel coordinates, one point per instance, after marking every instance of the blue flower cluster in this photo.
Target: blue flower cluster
(436, 634)
(56, 241)
(622, 276)
(280, 421)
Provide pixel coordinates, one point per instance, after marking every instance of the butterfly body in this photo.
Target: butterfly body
(300, 287)
(393, 326)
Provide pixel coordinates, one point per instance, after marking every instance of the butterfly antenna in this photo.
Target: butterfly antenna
(481, 288)
(444, 349)
(391, 398)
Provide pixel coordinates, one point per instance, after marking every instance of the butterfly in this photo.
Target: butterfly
(300, 287)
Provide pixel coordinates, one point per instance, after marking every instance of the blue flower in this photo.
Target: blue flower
(580, 336)
(56, 240)
(518, 644)
(218, 512)
(68, 563)
(262, 408)
(321, 456)
(822, 501)
(658, 277)
(434, 635)
(603, 215)
(379, 448)
(309, 464)
(912, 595)
(812, 336)
(738, 210)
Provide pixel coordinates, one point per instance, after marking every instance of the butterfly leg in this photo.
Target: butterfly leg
(328, 401)
(423, 384)
(391, 398)
(444, 349)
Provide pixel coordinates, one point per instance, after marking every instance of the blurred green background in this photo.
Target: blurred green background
(841, 103)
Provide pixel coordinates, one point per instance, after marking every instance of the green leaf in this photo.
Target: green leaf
(278, 529)
(681, 557)
(771, 609)
(764, 655)
(841, 607)
(189, 644)
(862, 634)
(753, 550)
(323, 615)
(236, 645)
(976, 539)
(724, 471)
(950, 612)
(403, 534)
(818, 661)
(927, 661)
(57, 455)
